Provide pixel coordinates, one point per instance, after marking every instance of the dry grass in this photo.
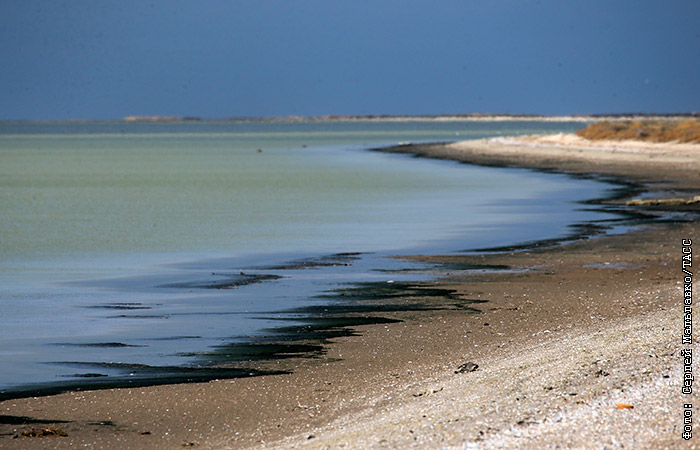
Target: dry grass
(651, 131)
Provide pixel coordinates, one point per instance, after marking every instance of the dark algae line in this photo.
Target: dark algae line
(314, 326)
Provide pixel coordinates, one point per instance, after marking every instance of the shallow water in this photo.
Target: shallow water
(126, 248)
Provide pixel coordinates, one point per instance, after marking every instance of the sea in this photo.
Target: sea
(135, 253)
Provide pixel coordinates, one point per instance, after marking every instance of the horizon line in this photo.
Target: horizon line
(338, 117)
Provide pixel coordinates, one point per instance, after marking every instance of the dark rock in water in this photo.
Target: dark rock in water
(467, 367)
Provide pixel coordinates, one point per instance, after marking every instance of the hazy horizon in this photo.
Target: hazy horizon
(476, 116)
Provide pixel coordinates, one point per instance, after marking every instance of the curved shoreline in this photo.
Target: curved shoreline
(674, 165)
(232, 359)
(395, 386)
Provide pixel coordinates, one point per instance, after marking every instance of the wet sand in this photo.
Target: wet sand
(561, 337)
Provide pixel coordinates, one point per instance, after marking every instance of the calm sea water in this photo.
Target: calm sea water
(128, 248)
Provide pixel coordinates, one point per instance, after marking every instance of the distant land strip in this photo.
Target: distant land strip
(466, 117)
(436, 117)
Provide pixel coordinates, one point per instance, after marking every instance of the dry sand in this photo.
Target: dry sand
(563, 337)
(671, 165)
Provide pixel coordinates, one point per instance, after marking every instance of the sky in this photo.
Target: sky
(102, 59)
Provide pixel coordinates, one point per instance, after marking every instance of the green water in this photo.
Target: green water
(209, 189)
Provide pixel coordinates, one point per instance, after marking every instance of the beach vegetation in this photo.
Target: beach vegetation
(685, 131)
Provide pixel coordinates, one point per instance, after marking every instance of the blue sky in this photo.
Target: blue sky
(88, 59)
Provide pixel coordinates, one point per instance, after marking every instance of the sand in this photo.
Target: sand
(561, 338)
(671, 165)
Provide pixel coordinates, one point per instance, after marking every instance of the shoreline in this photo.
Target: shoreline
(373, 391)
(658, 166)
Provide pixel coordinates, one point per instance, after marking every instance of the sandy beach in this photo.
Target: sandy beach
(573, 345)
